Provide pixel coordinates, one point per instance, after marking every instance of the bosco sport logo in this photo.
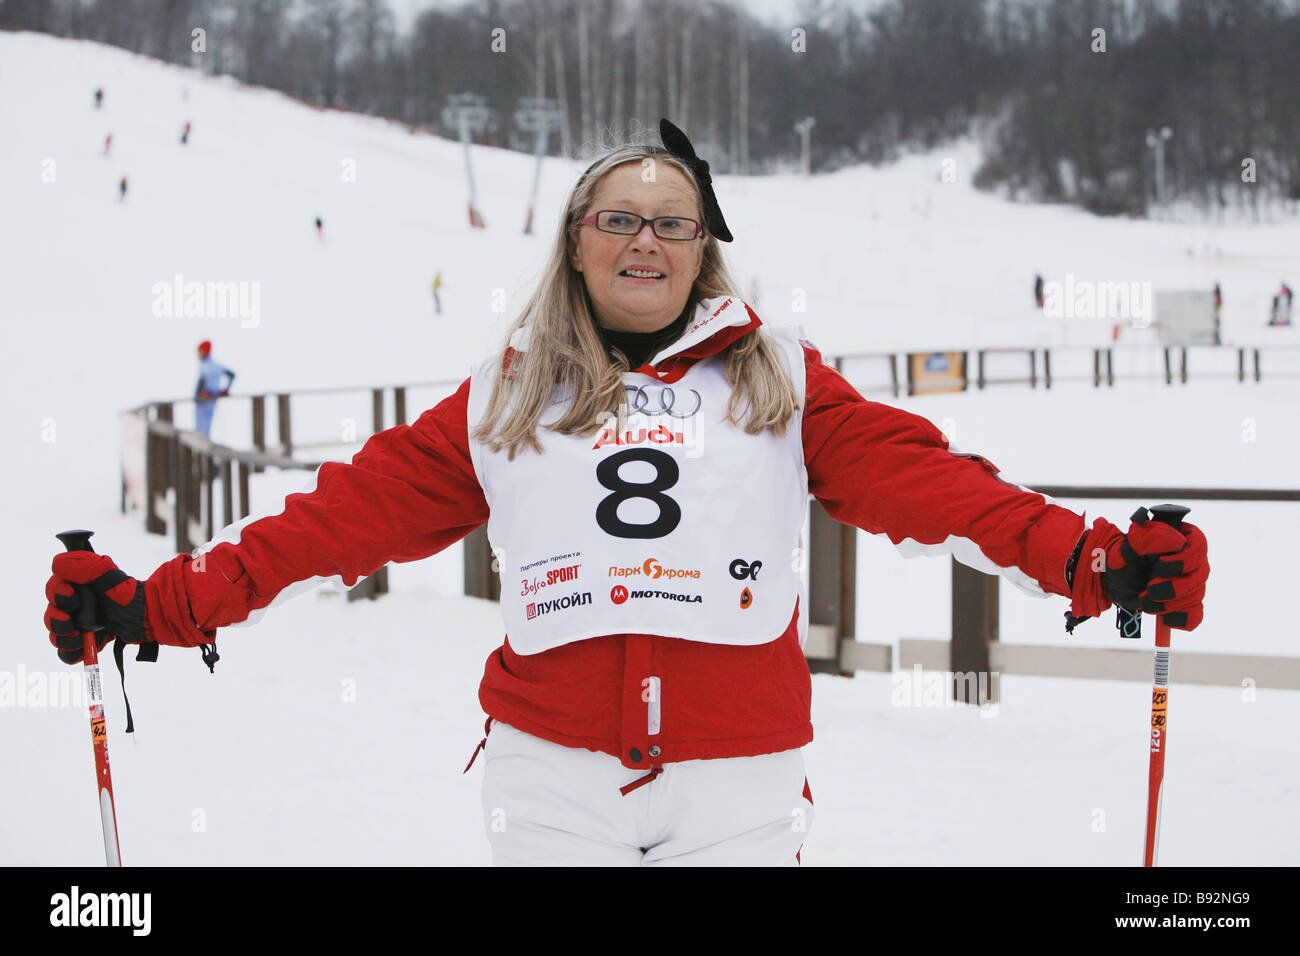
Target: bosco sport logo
(553, 576)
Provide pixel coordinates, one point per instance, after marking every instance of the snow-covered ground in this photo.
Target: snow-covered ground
(335, 732)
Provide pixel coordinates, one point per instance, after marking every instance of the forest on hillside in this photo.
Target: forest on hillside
(1063, 92)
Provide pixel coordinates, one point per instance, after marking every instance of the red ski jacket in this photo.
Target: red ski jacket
(412, 491)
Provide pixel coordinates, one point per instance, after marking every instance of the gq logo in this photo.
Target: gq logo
(741, 569)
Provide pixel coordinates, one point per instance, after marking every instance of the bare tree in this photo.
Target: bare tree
(562, 90)
(643, 54)
(584, 73)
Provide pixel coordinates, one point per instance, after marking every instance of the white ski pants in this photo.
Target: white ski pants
(545, 804)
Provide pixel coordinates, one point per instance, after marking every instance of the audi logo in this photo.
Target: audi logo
(658, 400)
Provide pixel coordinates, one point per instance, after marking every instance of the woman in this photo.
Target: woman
(642, 452)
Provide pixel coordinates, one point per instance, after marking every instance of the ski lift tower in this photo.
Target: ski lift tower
(537, 114)
(1156, 141)
(470, 113)
(804, 129)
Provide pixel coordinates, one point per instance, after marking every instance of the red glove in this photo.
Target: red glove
(1155, 568)
(119, 603)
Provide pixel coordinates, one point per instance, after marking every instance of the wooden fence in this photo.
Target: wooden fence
(1177, 364)
(181, 468)
(974, 654)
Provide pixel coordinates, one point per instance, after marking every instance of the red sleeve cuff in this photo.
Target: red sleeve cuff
(168, 619)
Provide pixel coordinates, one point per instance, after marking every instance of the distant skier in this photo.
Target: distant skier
(1285, 295)
(121, 189)
(1276, 313)
(1218, 314)
(108, 143)
(320, 228)
(185, 133)
(99, 97)
(1038, 290)
(210, 387)
(437, 302)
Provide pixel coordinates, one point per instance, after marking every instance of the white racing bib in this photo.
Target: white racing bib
(680, 526)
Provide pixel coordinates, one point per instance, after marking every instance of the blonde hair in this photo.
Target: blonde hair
(565, 348)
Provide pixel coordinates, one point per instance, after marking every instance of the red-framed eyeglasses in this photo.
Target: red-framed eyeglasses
(621, 223)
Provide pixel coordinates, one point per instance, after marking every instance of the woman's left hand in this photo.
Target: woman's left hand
(1156, 567)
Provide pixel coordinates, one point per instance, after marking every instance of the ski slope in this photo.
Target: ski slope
(336, 732)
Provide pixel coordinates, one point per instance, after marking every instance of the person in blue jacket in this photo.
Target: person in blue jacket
(209, 388)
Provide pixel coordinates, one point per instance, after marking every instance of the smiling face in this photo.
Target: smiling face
(666, 269)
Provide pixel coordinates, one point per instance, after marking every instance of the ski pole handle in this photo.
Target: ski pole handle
(86, 623)
(1129, 622)
(1171, 515)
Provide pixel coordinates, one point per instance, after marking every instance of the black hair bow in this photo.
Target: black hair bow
(676, 143)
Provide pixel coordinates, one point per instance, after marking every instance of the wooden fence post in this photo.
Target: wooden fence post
(206, 465)
(480, 580)
(155, 481)
(259, 425)
(974, 627)
(180, 515)
(832, 556)
(371, 587)
(227, 494)
(243, 489)
(282, 414)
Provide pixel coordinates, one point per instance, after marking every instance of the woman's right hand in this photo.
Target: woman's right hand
(118, 603)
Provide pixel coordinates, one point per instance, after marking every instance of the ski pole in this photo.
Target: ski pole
(86, 623)
(1171, 515)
